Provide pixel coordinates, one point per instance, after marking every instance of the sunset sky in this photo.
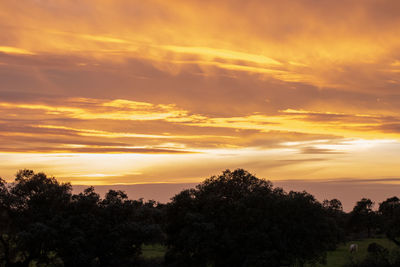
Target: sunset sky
(106, 92)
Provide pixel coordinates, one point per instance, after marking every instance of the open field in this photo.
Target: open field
(337, 258)
(341, 255)
(153, 251)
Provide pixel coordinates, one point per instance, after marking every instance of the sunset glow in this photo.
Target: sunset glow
(131, 92)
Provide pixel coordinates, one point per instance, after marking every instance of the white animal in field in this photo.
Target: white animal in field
(353, 248)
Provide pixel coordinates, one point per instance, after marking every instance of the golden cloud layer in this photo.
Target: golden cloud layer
(303, 41)
(97, 125)
(313, 83)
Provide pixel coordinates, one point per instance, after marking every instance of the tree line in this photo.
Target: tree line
(233, 219)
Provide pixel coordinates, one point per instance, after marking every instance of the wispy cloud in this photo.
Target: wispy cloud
(289, 89)
(14, 50)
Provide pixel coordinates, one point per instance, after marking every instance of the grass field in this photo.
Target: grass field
(153, 251)
(341, 255)
(337, 258)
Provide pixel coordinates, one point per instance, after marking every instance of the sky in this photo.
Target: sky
(136, 92)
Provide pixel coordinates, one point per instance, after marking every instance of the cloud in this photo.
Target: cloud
(108, 126)
(100, 125)
(322, 44)
(290, 81)
(14, 50)
(315, 150)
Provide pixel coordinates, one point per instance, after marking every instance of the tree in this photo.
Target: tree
(333, 205)
(390, 212)
(6, 226)
(236, 219)
(43, 224)
(33, 202)
(106, 232)
(334, 210)
(363, 218)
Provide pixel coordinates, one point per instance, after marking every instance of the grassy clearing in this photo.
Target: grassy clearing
(341, 255)
(154, 251)
(337, 258)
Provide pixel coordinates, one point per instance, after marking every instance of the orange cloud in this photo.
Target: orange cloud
(304, 43)
(14, 50)
(261, 84)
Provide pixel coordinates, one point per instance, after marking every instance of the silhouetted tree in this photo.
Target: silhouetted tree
(333, 205)
(334, 210)
(33, 201)
(42, 223)
(236, 219)
(6, 226)
(109, 231)
(390, 212)
(363, 218)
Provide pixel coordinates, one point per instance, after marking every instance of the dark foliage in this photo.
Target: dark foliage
(236, 219)
(363, 220)
(334, 210)
(42, 222)
(390, 212)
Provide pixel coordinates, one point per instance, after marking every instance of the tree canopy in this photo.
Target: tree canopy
(232, 219)
(43, 222)
(237, 219)
(390, 212)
